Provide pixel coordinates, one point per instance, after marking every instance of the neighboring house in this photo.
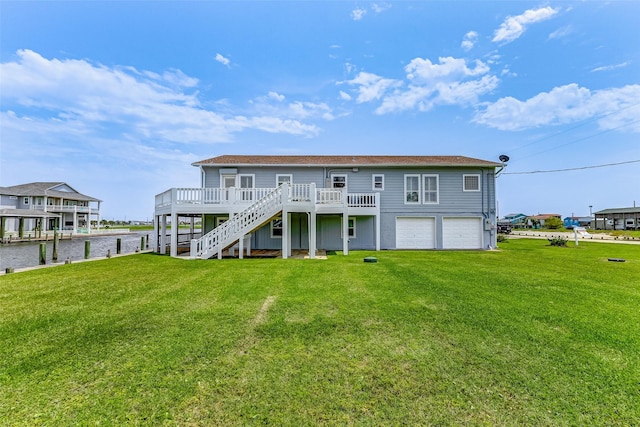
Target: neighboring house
(618, 219)
(516, 219)
(578, 221)
(537, 221)
(334, 203)
(46, 206)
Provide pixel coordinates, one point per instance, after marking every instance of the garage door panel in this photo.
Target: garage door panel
(462, 233)
(415, 233)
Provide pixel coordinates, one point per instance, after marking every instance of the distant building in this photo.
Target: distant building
(537, 221)
(516, 219)
(618, 219)
(46, 206)
(578, 221)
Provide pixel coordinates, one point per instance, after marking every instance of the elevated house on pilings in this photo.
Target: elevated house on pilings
(35, 207)
(333, 203)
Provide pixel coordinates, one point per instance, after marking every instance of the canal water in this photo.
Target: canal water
(22, 255)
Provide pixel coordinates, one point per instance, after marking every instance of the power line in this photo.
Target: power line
(580, 124)
(571, 169)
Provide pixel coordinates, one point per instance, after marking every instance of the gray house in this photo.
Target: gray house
(333, 203)
(46, 206)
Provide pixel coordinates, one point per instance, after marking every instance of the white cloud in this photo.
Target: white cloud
(345, 96)
(78, 97)
(611, 67)
(450, 82)
(566, 104)
(449, 68)
(561, 32)
(224, 61)
(514, 26)
(358, 13)
(371, 86)
(469, 40)
(380, 7)
(276, 96)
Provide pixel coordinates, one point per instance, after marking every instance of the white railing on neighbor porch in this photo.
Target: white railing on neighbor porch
(238, 225)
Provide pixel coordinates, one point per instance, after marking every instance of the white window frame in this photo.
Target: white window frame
(351, 228)
(339, 175)
(437, 191)
(418, 190)
(244, 175)
(280, 175)
(464, 182)
(273, 227)
(221, 219)
(373, 181)
(223, 178)
(25, 201)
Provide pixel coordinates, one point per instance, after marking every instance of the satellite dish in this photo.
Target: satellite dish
(504, 158)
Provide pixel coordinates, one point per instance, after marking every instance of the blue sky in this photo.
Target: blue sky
(119, 98)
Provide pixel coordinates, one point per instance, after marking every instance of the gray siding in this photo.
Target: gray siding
(453, 201)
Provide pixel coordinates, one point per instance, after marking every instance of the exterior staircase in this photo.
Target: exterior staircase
(229, 232)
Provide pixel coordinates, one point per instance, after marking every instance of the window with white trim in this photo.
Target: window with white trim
(246, 185)
(339, 181)
(351, 228)
(25, 201)
(276, 228)
(471, 182)
(377, 182)
(430, 189)
(221, 220)
(412, 189)
(282, 178)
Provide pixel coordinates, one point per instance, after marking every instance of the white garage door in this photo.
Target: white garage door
(415, 233)
(462, 233)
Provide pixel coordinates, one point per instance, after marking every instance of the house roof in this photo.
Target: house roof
(26, 213)
(545, 216)
(345, 161)
(45, 189)
(618, 211)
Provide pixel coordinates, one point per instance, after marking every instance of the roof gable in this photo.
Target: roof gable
(49, 189)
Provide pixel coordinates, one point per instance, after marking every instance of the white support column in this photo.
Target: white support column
(174, 234)
(345, 232)
(241, 247)
(378, 231)
(285, 234)
(75, 219)
(312, 233)
(163, 234)
(289, 234)
(248, 244)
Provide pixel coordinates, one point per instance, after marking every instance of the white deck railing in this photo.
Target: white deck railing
(235, 196)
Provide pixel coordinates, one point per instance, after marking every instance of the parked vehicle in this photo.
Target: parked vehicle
(504, 227)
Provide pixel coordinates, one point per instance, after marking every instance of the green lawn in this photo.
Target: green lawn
(529, 335)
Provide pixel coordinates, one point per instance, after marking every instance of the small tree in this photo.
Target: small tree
(553, 223)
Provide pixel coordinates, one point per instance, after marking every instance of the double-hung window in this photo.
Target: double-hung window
(377, 182)
(276, 228)
(339, 181)
(421, 189)
(246, 186)
(412, 189)
(430, 189)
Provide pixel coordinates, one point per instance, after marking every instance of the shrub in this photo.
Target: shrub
(558, 241)
(500, 238)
